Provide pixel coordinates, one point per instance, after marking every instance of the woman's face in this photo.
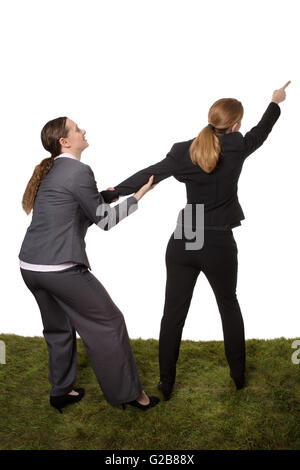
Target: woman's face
(75, 140)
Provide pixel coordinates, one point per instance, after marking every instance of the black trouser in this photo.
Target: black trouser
(218, 261)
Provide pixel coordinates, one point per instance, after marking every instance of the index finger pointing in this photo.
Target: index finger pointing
(287, 83)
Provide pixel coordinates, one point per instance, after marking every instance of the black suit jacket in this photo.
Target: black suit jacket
(216, 190)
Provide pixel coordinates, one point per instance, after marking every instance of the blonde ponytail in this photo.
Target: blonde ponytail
(205, 148)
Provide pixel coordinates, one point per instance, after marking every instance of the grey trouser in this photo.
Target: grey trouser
(74, 300)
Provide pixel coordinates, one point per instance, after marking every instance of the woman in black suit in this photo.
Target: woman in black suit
(210, 166)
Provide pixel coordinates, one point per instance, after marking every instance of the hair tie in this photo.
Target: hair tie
(211, 126)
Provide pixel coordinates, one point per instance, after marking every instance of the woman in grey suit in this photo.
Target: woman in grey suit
(65, 200)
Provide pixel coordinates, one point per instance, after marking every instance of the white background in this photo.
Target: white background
(139, 76)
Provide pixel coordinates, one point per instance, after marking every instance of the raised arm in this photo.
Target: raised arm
(84, 189)
(161, 170)
(254, 138)
(258, 134)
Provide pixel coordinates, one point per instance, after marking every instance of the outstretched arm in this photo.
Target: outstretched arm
(161, 170)
(84, 190)
(254, 138)
(258, 134)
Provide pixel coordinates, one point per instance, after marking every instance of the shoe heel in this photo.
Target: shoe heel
(239, 382)
(57, 408)
(166, 389)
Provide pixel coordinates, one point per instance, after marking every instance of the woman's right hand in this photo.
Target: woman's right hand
(144, 189)
(279, 95)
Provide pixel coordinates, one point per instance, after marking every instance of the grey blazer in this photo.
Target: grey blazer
(66, 204)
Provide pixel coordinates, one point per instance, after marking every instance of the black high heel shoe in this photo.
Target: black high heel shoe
(60, 401)
(166, 389)
(153, 402)
(239, 382)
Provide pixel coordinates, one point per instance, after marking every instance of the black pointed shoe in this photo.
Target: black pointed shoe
(239, 382)
(62, 400)
(166, 389)
(153, 402)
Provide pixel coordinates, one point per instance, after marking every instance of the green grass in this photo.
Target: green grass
(205, 411)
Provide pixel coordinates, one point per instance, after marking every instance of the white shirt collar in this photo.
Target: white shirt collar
(68, 155)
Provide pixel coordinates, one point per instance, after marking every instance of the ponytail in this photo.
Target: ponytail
(205, 148)
(50, 136)
(31, 190)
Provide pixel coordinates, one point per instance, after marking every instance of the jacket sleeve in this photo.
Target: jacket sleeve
(161, 170)
(258, 134)
(84, 189)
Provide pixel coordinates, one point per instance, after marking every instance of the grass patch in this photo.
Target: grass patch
(205, 411)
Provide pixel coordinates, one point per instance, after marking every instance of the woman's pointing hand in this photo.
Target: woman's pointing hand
(279, 95)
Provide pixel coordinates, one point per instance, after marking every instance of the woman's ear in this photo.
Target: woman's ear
(63, 142)
(235, 127)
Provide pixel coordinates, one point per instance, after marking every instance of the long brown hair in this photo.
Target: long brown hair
(50, 135)
(205, 148)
